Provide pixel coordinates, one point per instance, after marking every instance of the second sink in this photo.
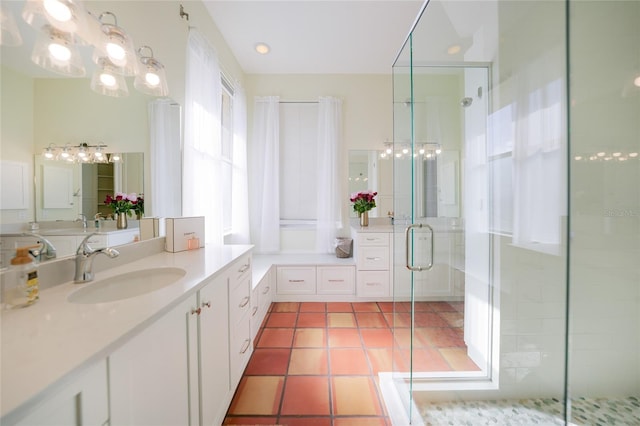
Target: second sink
(127, 285)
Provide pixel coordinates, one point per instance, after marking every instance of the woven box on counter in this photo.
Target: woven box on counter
(344, 247)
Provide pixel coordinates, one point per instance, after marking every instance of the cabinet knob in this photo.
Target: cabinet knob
(206, 304)
(196, 311)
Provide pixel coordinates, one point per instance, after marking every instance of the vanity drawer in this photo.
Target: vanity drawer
(373, 258)
(239, 301)
(296, 280)
(241, 268)
(373, 239)
(373, 284)
(336, 280)
(240, 349)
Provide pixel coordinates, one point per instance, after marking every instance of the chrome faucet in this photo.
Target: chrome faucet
(46, 250)
(84, 259)
(82, 218)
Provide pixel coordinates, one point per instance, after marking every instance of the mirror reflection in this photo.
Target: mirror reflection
(64, 191)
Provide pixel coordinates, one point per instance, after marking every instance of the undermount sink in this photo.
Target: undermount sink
(127, 285)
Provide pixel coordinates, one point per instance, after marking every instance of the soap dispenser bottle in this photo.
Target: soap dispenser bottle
(25, 290)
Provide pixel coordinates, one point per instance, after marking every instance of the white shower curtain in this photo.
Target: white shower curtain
(164, 199)
(264, 176)
(202, 193)
(329, 137)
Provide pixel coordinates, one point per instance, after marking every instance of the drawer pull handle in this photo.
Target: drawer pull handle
(373, 258)
(296, 281)
(196, 311)
(372, 239)
(255, 310)
(266, 290)
(372, 284)
(206, 304)
(244, 268)
(336, 281)
(245, 346)
(244, 302)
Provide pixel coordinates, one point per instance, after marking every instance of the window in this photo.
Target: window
(226, 156)
(298, 163)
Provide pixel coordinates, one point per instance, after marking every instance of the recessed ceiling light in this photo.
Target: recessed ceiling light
(452, 50)
(262, 48)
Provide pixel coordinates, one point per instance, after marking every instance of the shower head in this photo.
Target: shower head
(465, 102)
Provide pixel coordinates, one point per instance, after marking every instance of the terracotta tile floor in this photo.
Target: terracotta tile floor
(317, 364)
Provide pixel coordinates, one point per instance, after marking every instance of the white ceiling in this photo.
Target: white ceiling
(315, 37)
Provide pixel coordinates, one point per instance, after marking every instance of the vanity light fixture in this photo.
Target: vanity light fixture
(9, 34)
(115, 44)
(115, 158)
(81, 153)
(151, 78)
(106, 81)
(64, 15)
(55, 51)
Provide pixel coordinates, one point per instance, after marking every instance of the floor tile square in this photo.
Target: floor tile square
(276, 338)
(386, 306)
(304, 395)
(305, 421)
(442, 307)
(257, 395)
(429, 319)
(381, 360)
(339, 307)
(354, 396)
(377, 337)
(365, 307)
(427, 359)
(371, 320)
(268, 362)
(310, 338)
(285, 307)
(360, 421)
(453, 319)
(344, 337)
(281, 319)
(244, 420)
(351, 361)
(458, 360)
(312, 319)
(313, 307)
(308, 362)
(398, 319)
(441, 337)
(337, 320)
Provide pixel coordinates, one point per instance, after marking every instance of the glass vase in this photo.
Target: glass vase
(121, 221)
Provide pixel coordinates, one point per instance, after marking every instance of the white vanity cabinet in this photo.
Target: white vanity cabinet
(373, 262)
(176, 370)
(240, 347)
(261, 298)
(149, 380)
(82, 402)
(315, 283)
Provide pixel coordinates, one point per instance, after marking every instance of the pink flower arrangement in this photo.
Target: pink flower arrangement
(363, 201)
(122, 203)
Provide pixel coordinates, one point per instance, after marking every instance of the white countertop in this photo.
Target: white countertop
(47, 344)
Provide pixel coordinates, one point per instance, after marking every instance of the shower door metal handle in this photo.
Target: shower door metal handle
(406, 241)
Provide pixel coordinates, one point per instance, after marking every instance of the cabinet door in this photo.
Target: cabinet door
(214, 352)
(373, 258)
(373, 284)
(149, 375)
(83, 402)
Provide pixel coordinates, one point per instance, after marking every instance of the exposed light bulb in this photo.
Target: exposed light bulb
(405, 150)
(57, 10)
(152, 79)
(59, 51)
(116, 53)
(438, 151)
(389, 150)
(633, 154)
(108, 80)
(578, 158)
(421, 151)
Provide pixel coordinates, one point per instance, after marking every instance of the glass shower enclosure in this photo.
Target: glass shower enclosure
(517, 214)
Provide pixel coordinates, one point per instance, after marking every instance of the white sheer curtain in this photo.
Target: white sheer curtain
(539, 152)
(240, 196)
(202, 194)
(328, 194)
(264, 176)
(164, 199)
